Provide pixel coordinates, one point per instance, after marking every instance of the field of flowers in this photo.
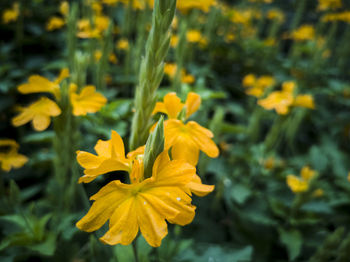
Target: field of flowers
(175, 130)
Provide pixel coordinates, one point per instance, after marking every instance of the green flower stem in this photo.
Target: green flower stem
(151, 71)
(180, 54)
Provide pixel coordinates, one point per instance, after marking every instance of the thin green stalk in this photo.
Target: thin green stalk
(134, 249)
(151, 71)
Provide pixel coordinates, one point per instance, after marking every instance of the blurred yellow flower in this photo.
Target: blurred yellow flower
(64, 8)
(9, 156)
(329, 4)
(97, 55)
(170, 70)
(187, 5)
(122, 44)
(39, 84)
(256, 86)
(303, 33)
(342, 16)
(276, 14)
(144, 204)
(88, 101)
(113, 58)
(174, 39)
(54, 23)
(306, 101)
(11, 15)
(301, 184)
(39, 113)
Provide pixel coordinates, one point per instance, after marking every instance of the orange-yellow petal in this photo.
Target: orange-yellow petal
(41, 122)
(192, 104)
(39, 84)
(198, 188)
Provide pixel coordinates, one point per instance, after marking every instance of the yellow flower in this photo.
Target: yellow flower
(187, 5)
(11, 15)
(172, 105)
(281, 101)
(194, 36)
(113, 58)
(303, 33)
(343, 16)
(64, 8)
(39, 113)
(318, 193)
(88, 101)
(276, 14)
(256, 86)
(328, 4)
(122, 44)
(174, 39)
(9, 157)
(187, 79)
(170, 69)
(185, 140)
(301, 184)
(110, 157)
(249, 80)
(39, 84)
(306, 101)
(296, 184)
(97, 55)
(144, 204)
(54, 23)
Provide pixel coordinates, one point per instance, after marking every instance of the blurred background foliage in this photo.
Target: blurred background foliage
(282, 186)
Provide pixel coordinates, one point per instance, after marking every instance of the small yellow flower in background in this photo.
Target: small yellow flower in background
(318, 193)
(39, 113)
(303, 33)
(95, 30)
(113, 59)
(185, 140)
(9, 156)
(170, 70)
(261, 1)
(301, 184)
(256, 86)
(64, 8)
(97, 55)
(283, 100)
(146, 203)
(276, 14)
(329, 4)
(54, 23)
(195, 36)
(279, 100)
(11, 15)
(174, 39)
(342, 16)
(122, 44)
(187, 5)
(230, 37)
(88, 101)
(110, 157)
(39, 84)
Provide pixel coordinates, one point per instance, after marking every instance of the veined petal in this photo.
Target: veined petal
(88, 160)
(106, 166)
(152, 225)
(162, 207)
(202, 137)
(103, 207)
(172, 104)
(123, 226)
(193, 102)
(172, 130)
(186, 150)
(198, 188)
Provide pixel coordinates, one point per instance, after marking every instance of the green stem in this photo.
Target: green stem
(134, 249)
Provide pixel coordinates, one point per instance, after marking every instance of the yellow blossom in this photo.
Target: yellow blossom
(122, 44)
(318, 193)
(187, 5)
(97, 55)
(187, 79)
(170, 70)
(296, 184)
(342, 16)
(256, 86)
(88, 101)
(64, 8)
(303, 33)
(185, 140)
(11, 15)
(11, 158)
(306, 101)
(54, 23)
(110, 157)
(39, 84)
(146, 203)
(301, 184)
(329, 4)
(39, 113)
(113, 58)
(194, 36)
(174, 39)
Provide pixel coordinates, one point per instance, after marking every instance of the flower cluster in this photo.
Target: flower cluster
(9, 156)
(41, 111)
(149, 201)
(11, 15)
(302, 184)
(283, 100)
(56, 22)
(170, 70)
(256, 86)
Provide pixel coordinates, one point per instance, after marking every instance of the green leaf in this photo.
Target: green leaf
(124, 253)
(240, 193)
(292, 239)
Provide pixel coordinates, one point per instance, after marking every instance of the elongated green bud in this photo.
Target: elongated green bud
(151, 71)
(154, 146)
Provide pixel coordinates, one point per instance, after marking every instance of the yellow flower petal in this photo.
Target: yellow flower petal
(41, 122)
(192, 104)
(39, 84)
(306, 101)
(12, 160)
(88, 101)
(198, 188)
(296, 184)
